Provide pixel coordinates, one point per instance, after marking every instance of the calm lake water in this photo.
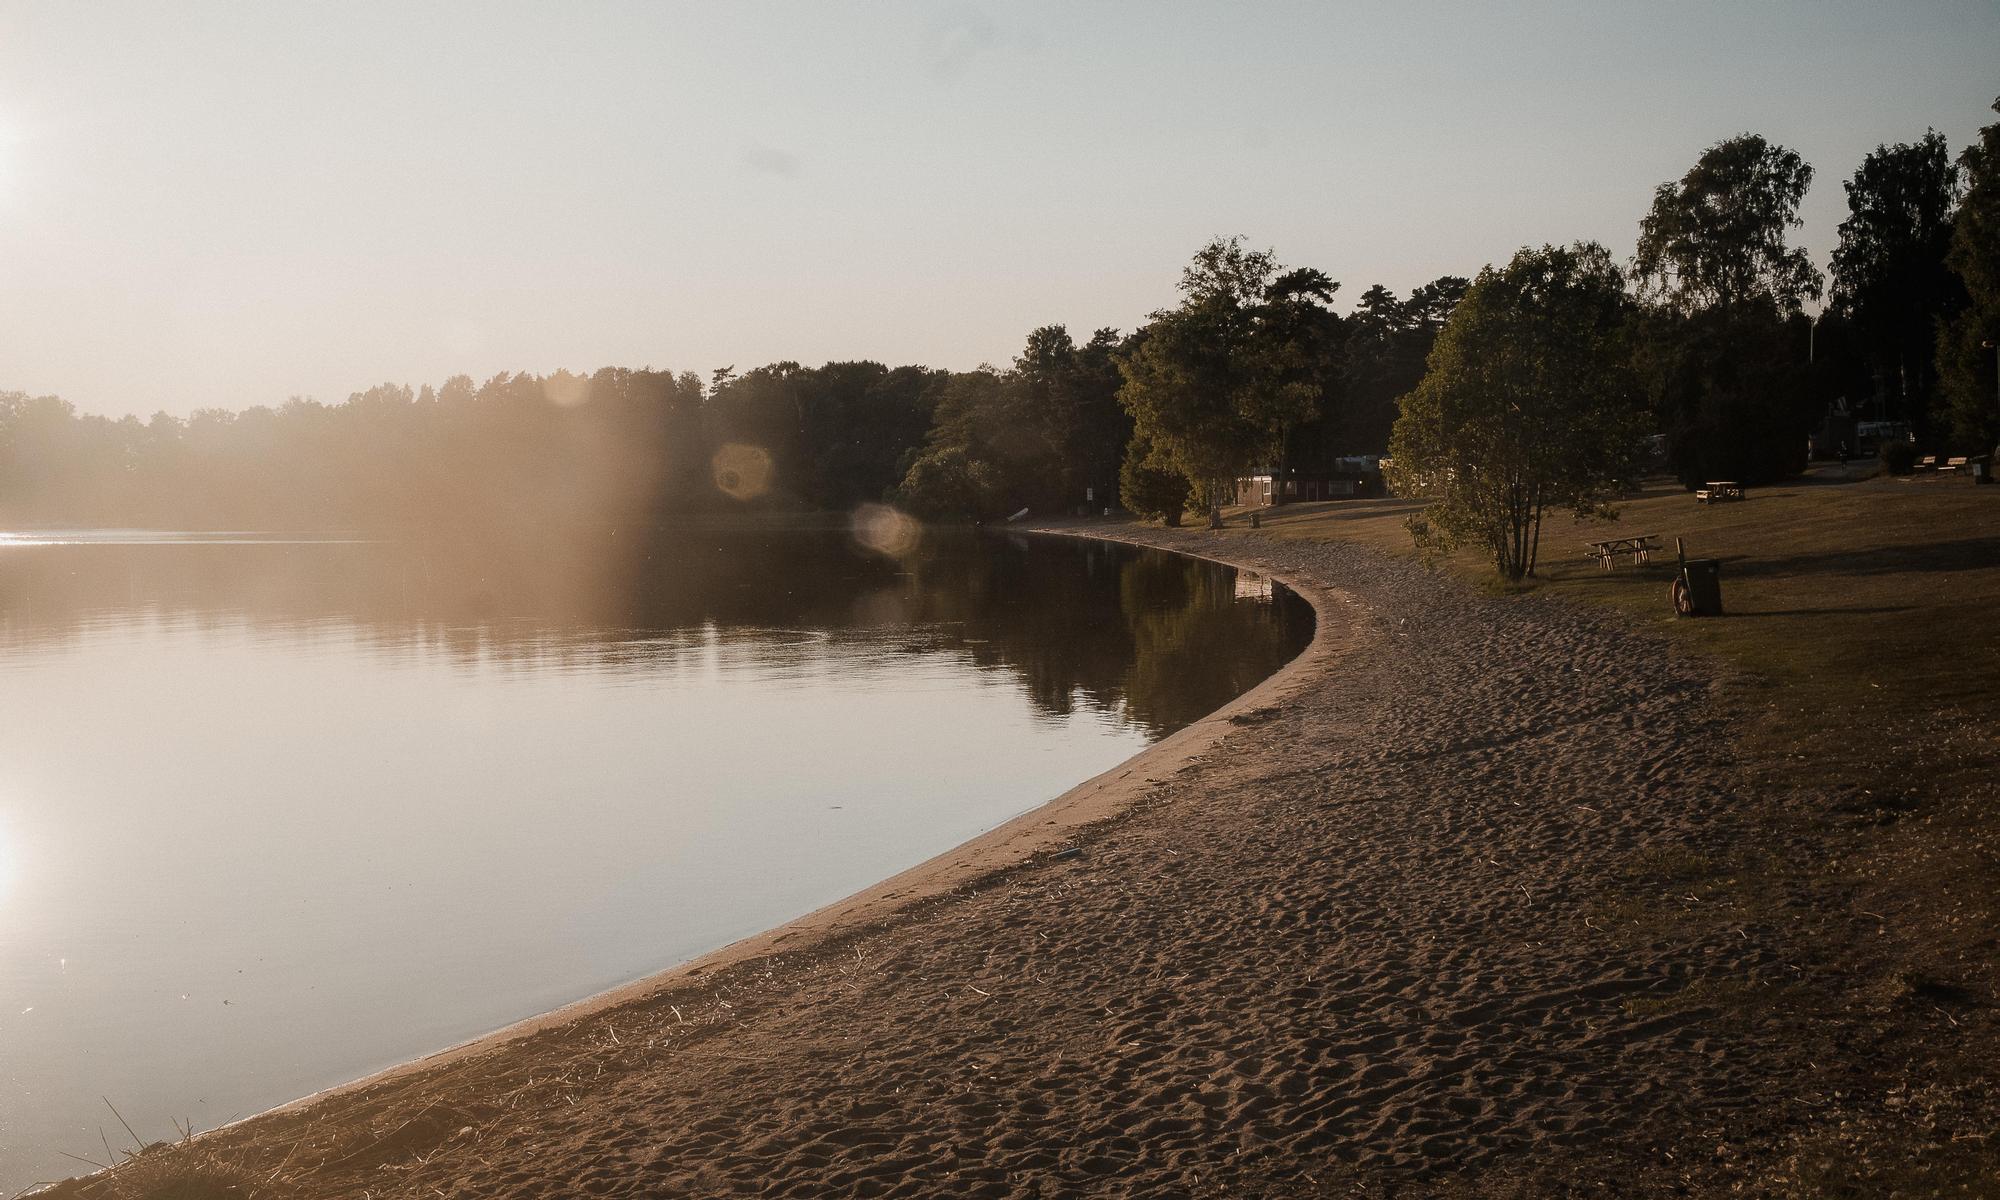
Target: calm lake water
(275, 812)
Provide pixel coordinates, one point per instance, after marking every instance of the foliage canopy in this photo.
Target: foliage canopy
(1717, 237)
(1224, 379)
(1889, 271)
(1967, 367)
(1042, 435)
(1714, 346)
(1529, 402)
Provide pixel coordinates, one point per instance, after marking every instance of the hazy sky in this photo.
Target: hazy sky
(229, 204)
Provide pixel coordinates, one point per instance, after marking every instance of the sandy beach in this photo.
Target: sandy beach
(1368, 929)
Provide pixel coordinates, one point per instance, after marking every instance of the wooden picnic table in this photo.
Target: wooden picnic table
(1639, 546)
(1717, 490)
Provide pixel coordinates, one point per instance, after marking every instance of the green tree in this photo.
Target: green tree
(1069, 400)
(1226, 270)
(945, 481)
(1387, 343)
(1716, 239)
(978, 441)
(1529, 403)
(836, 434)
(1150, 489)
(1043, 434)
(1889, 272)
(1967, 370)
(1187, 390)
(1729, 388)
(1101, 427)
(1224, 379)
(1301, 348)
(1716, 350)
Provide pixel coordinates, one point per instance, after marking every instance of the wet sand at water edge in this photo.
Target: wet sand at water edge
(1351, 934)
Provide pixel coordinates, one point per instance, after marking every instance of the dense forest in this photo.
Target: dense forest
(1253, 368)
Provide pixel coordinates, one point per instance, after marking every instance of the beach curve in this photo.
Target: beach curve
(1014, 842)
(1383, 962)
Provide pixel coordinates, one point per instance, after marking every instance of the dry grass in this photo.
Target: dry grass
(184, 1176)
(183, 1170)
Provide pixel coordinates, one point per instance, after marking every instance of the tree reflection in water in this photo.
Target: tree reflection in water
(1160, 638)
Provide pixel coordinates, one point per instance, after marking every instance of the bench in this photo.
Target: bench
(1954, 464)
(1927, 463)
(1718, 490)
(1640, 548)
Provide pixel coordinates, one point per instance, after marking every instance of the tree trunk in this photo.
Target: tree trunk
(1535, 539)
(1516, 534)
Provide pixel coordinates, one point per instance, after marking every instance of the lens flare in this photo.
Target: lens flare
(884, 529)
(741, 472)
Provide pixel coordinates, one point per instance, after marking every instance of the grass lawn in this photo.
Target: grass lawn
(1860, 649)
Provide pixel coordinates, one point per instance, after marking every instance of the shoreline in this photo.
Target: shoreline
(1360, 926)
(1011, 844)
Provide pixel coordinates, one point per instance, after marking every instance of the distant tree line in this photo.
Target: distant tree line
(1552, 370)
(517, 451)
(1049, 432)
(1702, 340)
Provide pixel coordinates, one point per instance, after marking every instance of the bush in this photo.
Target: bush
(949, 483)
(1898, 456)
(1150, 489)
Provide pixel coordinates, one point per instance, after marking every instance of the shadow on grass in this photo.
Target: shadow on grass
(1962, 554)
(1879, 610)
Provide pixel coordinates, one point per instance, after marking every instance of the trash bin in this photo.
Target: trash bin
(1698, 590)
(1981, 468)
